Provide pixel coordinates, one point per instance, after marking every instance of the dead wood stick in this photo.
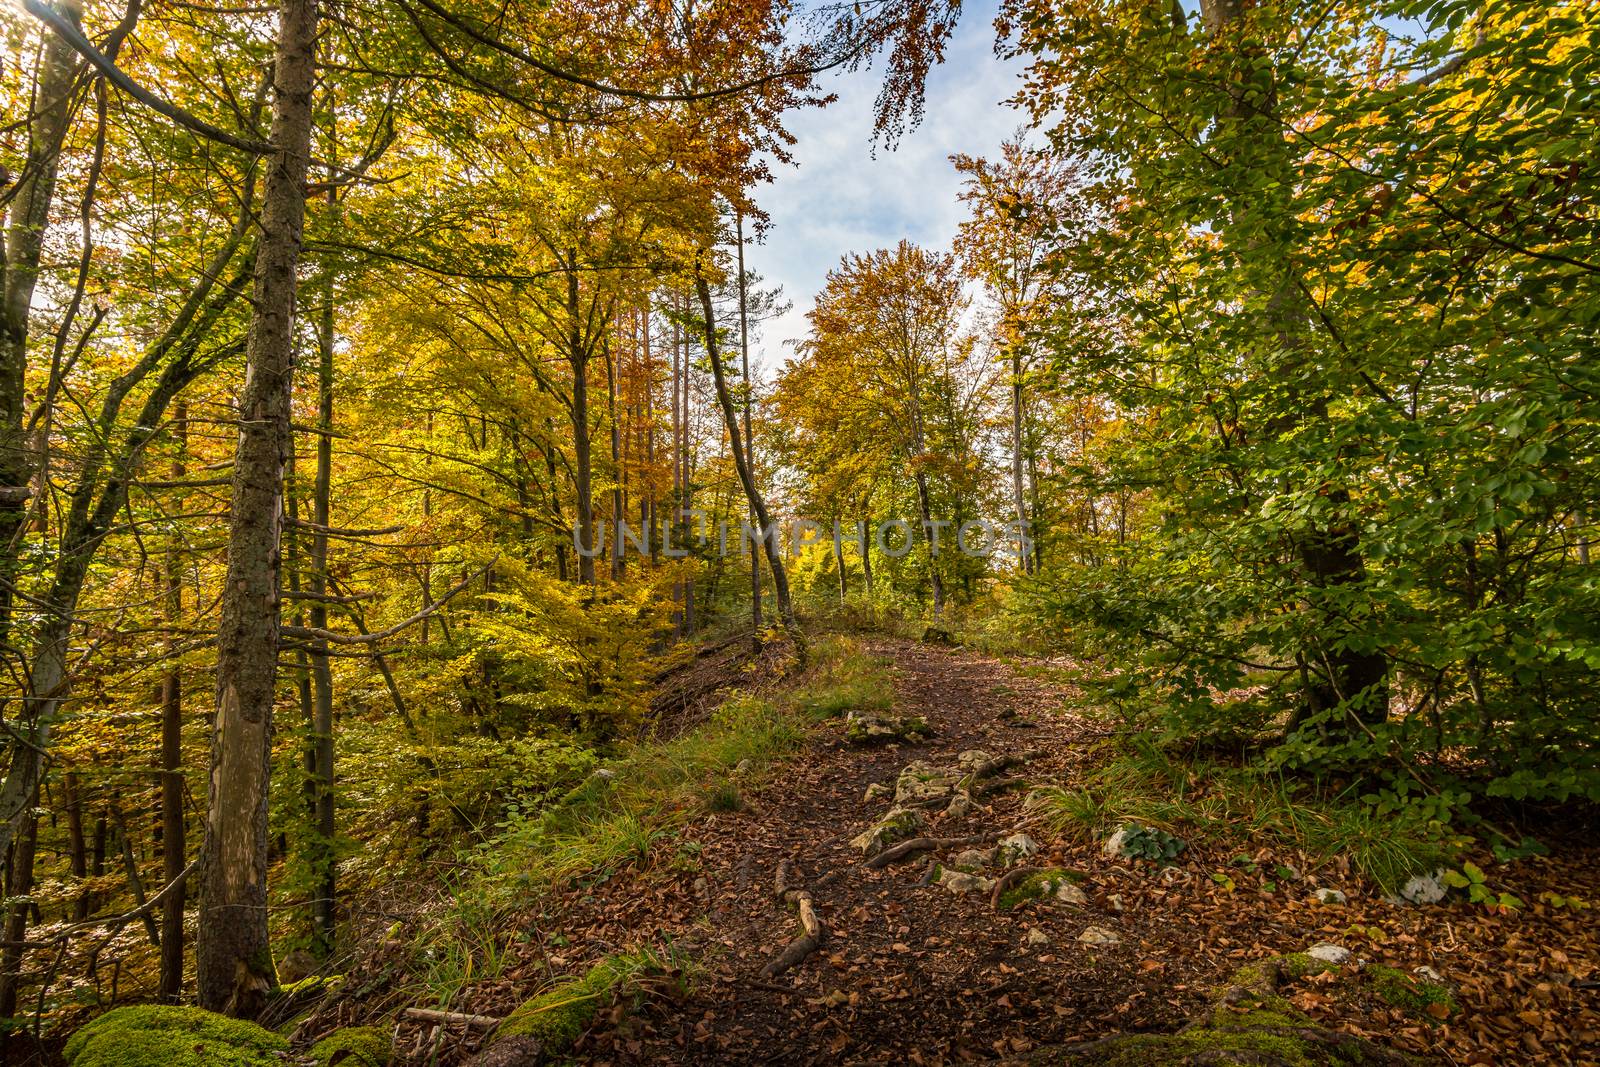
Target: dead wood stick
(428, 1015)
(923, 844)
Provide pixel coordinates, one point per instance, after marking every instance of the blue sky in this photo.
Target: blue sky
(837, 198)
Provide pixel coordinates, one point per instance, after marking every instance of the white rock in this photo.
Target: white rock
(973, 757)
(1116, 842)
(1421, 889)
(1015, 848)
(961, 882)
(972, 857)
(1428, 973)
(1099, 935)
(877, 791)
(1328, 952)
(959, 807)
(1329, 896)
(1037, 936)
(1067, 893)
(1114, 902)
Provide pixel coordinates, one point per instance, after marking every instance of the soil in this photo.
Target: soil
(914, 972)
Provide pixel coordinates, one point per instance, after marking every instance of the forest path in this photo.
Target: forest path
(910, 972)
(920, 973)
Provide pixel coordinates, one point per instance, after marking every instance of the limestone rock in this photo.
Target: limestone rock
(972, 859)
(1099, 935)
(922, 785)
(1329, 896)
(876, 791)
(897, 824)
(962, 882)
(1037, 937)
(960, 806)
(1016, 848)
(1328, 952)
(1421, 889)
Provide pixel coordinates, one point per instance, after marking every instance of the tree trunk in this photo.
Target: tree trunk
(618, 566)
(321, 763)
(578, 360)
(1024, 555)
(233, 959)
(24, 237)
(730, 418)
(174, 846)
(749, 440)
(1331, 556)
(17, 919)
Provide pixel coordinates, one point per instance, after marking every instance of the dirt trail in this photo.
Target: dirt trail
(918, 973)
(909, 972)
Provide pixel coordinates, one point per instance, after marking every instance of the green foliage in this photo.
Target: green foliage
(1137, 782)
(558, 1016)
(1149, 843)
(354, 1046)
(1471, 879)
(1420, 997)
(847, 679)
(1037, 886)
(1353, 424)
(147, 1035)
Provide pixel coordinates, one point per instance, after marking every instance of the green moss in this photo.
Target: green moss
(1038, 886)
(152, 1035)
(1268, 1031)
(354, 1046)
(1426, 1000)
(316, 983)
(559, 1016)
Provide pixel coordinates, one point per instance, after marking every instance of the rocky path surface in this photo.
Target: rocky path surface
(815, 942)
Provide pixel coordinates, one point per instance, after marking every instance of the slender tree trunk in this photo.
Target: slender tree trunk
(865, 547)
(925, 508)
(578, 360)
(174, 845)
(1024, 555)
(24, 237)
(677, 464)
(618, 566)
(730, 418)
(77, 847)
(321, 764)
(233, 957)
(749, 439)
(17, 918)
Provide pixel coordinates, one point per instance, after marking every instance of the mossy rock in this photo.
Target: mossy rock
(1254, 1030)
(159, 1035)
(354, 1046)
(1431, 1001)
(559, 1016)
(897, 824)
(870, 729)
(1042, 885)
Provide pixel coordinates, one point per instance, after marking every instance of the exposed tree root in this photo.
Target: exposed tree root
(814, 932)
(906, 849)
(1010, 880)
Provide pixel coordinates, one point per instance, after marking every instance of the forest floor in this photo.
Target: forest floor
(918, 972)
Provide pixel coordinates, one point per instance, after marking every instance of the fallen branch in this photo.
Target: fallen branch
(814, 931)
(446, 1018)
(923, 844)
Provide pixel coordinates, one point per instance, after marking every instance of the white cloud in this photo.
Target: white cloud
(839, 198)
